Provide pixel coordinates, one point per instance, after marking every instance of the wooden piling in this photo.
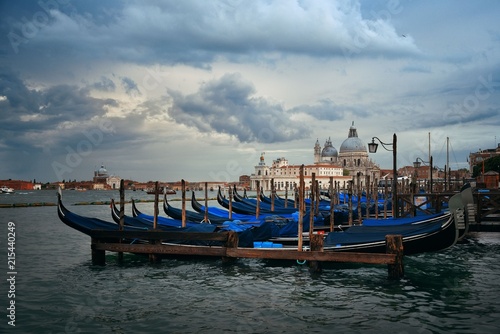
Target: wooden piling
(358, 190)
(183, 214)
(98, 255)
(394, 245)
(122, 213)
(349, 200)
(332, 206)
(301, 208)
(257, 209)
(231, 242)
(155, 217)
(205, 217)
(316, 244)
(230, 194)
(273, 194)
(368, 195)
(312, 206)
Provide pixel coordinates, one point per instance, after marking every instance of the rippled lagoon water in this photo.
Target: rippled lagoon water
(58, 290)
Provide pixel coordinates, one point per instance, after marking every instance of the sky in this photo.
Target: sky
(198, 90)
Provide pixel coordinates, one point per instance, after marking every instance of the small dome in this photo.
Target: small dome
(329, 151)
(102, 171)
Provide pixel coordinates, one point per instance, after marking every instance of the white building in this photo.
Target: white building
(103, 180)
(342, 166)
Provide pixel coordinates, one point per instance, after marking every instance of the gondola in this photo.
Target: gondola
(87, 225)
(93, 226)
(434, 235)
(417, 238)
(146, 221)
(249, 207)
(236, 195)
(223, 213)
(190, 215)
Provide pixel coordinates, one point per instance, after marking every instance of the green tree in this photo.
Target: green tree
(490, 164)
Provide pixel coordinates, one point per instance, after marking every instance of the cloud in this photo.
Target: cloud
(228, 105)
(130, 86)
(32, 119)
(105, 85)
(198, 32)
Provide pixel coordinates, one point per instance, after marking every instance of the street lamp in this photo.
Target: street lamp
(417, 164)
(372, 148)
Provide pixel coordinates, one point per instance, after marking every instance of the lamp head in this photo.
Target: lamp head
(372, 147)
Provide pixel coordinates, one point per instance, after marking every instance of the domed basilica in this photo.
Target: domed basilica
(353, 155)
(351, 159)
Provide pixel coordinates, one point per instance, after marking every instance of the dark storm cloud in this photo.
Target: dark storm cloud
(31, 116)
(228, 105)
(193, 32)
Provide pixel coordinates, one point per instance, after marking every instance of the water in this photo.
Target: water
(58, 290)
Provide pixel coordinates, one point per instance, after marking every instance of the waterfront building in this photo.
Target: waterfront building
(351, 160)
(102, 180)
(480, 156)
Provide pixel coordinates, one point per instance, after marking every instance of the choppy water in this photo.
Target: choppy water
(58, 290)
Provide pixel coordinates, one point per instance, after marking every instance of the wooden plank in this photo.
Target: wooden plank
(293, 254)
(257, 253)
(160, 249)
(159, 235)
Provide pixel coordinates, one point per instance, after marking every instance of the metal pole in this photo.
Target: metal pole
(430, 187)
(395, 208)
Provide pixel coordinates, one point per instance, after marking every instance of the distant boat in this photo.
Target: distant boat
(6, 190)
(168, 191)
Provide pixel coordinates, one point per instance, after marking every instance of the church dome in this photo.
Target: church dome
(102, 171)
(329, 151)
(353, 143)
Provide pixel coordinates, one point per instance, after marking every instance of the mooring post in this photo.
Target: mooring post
(332, 206)
(316, 244)
(257, 209)
(359, 193)
(368, 191)
(154, 258)
(230, 209)
(301, 208)
(349, 199)
(394, 245)
(122, 214)
(312, 205)
(205, 216)
(183, 214)
(98, 256)
(155, 208)
(231, 242)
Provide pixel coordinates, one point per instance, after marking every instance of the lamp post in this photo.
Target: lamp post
(372, 148)
(417, 164)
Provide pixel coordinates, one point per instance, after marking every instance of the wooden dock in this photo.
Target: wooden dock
(156, 244)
